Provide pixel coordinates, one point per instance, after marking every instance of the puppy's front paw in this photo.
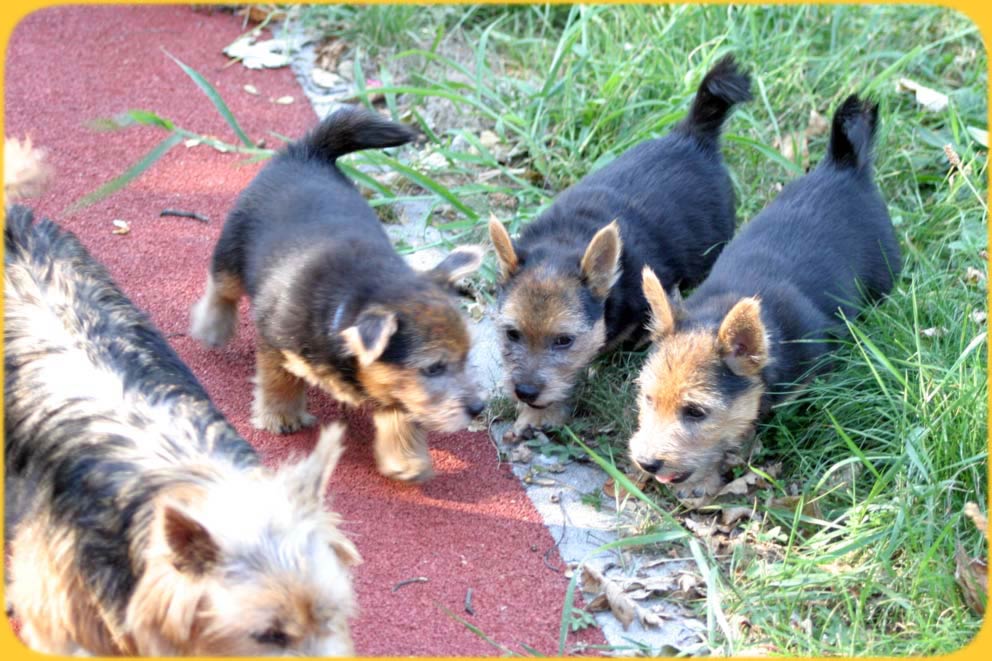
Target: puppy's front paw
(282, 422)
(406, 469)
(697, 494)
(530, 421)
(213, 323)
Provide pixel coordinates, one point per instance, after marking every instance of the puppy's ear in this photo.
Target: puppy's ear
(309, 478)
(193, 548)
(507, 256)
(662, 312)
(460, 262)
(742, 339)
(601, 263)
(367, 339)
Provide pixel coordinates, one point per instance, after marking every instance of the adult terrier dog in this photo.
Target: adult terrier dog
(763, 320)
(335, 306)
(150, 527)
(571, 283)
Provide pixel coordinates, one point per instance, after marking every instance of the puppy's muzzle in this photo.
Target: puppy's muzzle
(655, 466)
(526, 392)
(474, 407)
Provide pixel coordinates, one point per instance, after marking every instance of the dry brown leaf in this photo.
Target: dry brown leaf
(258, 13)
(250, 89)
(121, 227)
(792, 143)
(818, 124)
(521, 454)
(622, 606)
(613, 491)
(930, 99)
(979, 316)
(973, 276)
(972, 575)
(732, 515)
(980, 520)
(932, 332)
(810, 508)
(328, 55)
(284, 100)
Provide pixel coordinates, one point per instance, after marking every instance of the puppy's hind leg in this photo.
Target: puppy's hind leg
(214, 318)
(401, 447)
(280, 404)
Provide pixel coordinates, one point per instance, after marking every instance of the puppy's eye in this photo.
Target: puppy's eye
(437, 369)
(274, 636)
(512, 334)
(563, 341)
(693, 412)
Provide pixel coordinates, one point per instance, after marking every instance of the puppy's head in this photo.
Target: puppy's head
(700, 389)
(248, 564)
(551, 316)
(413, 353)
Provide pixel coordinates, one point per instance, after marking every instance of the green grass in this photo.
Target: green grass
(567, 89)
(570, 88)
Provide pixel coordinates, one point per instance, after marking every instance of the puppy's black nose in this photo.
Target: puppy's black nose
(526, 392)
(650, 465)
(475, 407)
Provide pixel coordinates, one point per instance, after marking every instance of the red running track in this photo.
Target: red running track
(472, 526)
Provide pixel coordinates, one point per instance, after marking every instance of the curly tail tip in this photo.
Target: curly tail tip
(723, 87)
(353, 129)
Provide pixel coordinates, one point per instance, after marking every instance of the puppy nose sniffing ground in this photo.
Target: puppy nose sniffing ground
(785, 517)
(569, 282)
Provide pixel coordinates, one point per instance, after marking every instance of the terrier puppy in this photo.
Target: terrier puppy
(335, 306)
(150, 527)
(763, 320)
(571, 288)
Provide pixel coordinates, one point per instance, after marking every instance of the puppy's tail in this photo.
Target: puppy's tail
(349, 130)
(723, 87)
(853, 134)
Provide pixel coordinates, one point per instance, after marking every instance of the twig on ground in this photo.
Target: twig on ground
(184, 214)
(415, 579)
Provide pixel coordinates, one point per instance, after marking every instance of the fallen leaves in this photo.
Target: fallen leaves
(268, 54)
(972, 574)
(620, 596)
(797, 142)
(612, 596)
(121, 227)
(930, 99)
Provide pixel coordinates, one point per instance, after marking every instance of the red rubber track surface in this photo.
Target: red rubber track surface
(472, 526)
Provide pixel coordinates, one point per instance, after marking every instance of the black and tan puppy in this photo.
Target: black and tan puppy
(335, 306)
(149, 526)
(766, 316)
(571, 281)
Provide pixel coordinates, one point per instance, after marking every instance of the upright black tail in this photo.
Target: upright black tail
(853, 133)
(723, 87)
(348, 130)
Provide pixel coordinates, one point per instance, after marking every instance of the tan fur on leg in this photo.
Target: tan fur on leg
(214, 318)
(54, 606)
(280, 404)
(401, 447)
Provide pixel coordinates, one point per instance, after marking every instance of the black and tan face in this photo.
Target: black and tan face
(551, 322)
(414, 355)
(251, 566)
(700, 390)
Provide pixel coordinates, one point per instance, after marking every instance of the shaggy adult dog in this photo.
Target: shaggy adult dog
(149, 525)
